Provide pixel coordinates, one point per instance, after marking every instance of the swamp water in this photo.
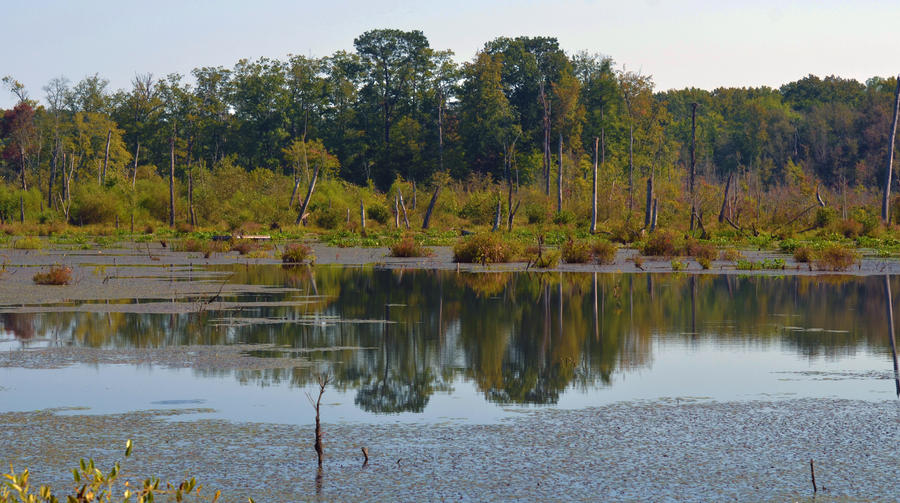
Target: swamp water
(415, 345)
(473, 386)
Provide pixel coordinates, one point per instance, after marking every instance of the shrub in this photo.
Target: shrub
(544, 258)
(836, 258)
(625, 233)
(693, 248)
(662, 243)
(408, 247)
(678, 265)
(850, 228)
(244, 246)
(638, 262)
(825, 216)
(378, 213)
(57, 275)
(576, 252)
(564, 217)
(704, 262)
(29, 243)
(296, 253)
(329, 218)
(804, 254)
(483, 248)
(479, 208)
(732, 254)
(191, 245)
(604, 252)
(536, 213)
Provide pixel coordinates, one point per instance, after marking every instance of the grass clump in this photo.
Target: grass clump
(408, 247)
(484, 248)
(662, 243)
(28, 243)
(767, 264)
(543, 258)
(704, 262)
(296, 253)
(576, 252)
(604, 252)
(836, 258)
(804, 254)
(705, 251)
(678, 265)
(57, 275)
(731, 254)
(244, 246)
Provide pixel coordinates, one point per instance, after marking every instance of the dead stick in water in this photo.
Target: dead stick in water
(812, 472)
(366, 454)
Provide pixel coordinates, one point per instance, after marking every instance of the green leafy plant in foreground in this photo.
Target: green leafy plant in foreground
(93, 485)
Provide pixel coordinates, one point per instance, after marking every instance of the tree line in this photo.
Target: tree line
(522, 111)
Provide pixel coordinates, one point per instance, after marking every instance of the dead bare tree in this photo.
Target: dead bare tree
(323, 380)
(559, 176)
(886, 200)
(172, 180)
(106, 156)
(725, 198)
(594, 188)
(137, 152)
(434, 197)
(403, 208)
(693, 161)
(301, 217)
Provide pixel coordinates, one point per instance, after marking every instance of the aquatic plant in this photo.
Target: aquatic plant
(408, 247)
(296, 253)
(57, 275)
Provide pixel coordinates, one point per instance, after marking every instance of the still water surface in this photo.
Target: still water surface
(442, 346)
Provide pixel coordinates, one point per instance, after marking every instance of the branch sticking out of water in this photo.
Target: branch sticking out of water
(324, 379)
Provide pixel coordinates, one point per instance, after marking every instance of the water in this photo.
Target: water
(442, 346)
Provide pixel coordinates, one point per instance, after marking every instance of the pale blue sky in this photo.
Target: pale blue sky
(697, 43)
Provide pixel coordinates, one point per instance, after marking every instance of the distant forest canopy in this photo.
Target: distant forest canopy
(396, 107)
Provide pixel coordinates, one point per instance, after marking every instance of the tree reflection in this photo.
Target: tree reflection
(520, 337)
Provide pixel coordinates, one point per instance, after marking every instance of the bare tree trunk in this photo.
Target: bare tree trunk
(431, 204)
(630, 167)
(137, 152)
(312, 186)
(654, 214)
(106, 156)
(725, 199)
(440, 130)
(172, 182)
(396, 211)
(648, 209)
(403, 208)
(559, 177)
(22, 158)
(594, 187)
(191, 197)
(497, 216)
(693, 159)
(362, 216)
(415, 197)
(294, 192)
(546, 107)
(22, 208)
(886, 200)
(52, 177)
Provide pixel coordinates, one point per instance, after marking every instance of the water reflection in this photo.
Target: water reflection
(519, 337)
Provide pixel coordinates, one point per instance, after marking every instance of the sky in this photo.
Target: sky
(691, 43)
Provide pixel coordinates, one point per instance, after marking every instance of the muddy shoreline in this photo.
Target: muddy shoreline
(744, 451)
